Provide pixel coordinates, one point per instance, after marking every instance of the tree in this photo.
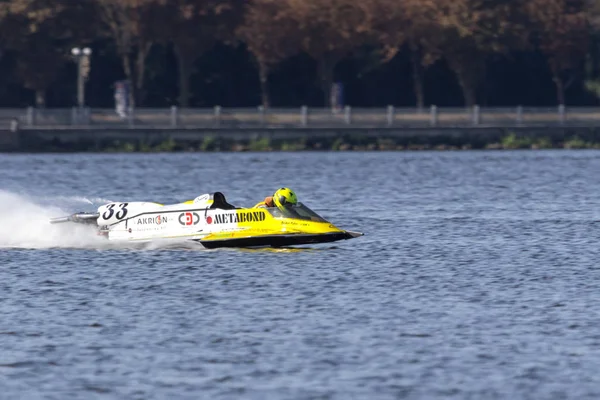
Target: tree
(39, 32)
(460, 44)
(592, 63)
(562, 34)
(469, 30)
(411, 22)
(130, 24)
(269, 33)
(193, 27)
(329, 30)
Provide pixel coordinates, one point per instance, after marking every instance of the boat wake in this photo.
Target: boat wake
(24, 223)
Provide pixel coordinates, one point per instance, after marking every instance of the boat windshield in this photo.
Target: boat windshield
(298, 211)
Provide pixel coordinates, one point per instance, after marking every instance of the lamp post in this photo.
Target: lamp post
(83, 69)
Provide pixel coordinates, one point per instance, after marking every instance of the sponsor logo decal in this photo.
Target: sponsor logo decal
(209, 220)
(189, 218)
(158, 220)
(294, 223)
(231, 218)
(203, 197)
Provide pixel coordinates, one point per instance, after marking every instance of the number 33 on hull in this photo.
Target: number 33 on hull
(211, 221)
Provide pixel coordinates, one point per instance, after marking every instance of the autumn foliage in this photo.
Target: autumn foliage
(464, 35)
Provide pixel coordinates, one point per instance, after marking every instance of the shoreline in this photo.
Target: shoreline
(73, 139)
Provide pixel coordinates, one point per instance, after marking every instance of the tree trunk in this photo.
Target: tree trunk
(560, 90)
(326, 65)
(40, 98)
(263, 72)
(184, 83)
(140, 67)
(184, 65)
(128, 73)
(417, 73)
(560, 87)
(468, 71)
(468, 89)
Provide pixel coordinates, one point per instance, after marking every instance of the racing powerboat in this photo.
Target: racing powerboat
(210, 220)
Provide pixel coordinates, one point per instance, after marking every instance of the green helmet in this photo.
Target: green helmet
(284, 197)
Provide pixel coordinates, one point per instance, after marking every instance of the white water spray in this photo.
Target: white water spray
(24, 223)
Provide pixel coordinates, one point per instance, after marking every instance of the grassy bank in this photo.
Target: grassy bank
(146, 141)
(508, 142)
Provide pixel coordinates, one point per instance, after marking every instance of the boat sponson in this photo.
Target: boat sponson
(277, 240)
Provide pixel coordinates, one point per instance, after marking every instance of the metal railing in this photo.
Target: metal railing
(303, 117)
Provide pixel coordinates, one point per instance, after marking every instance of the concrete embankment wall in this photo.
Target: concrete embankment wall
(96, 139)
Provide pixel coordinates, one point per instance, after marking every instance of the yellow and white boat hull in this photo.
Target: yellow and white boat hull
(213, 222)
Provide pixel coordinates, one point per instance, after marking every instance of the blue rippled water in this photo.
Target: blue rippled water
(478, 278)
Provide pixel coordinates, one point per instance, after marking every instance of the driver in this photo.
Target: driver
(282, 199)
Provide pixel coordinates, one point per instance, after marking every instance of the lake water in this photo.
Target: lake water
(477, 278)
